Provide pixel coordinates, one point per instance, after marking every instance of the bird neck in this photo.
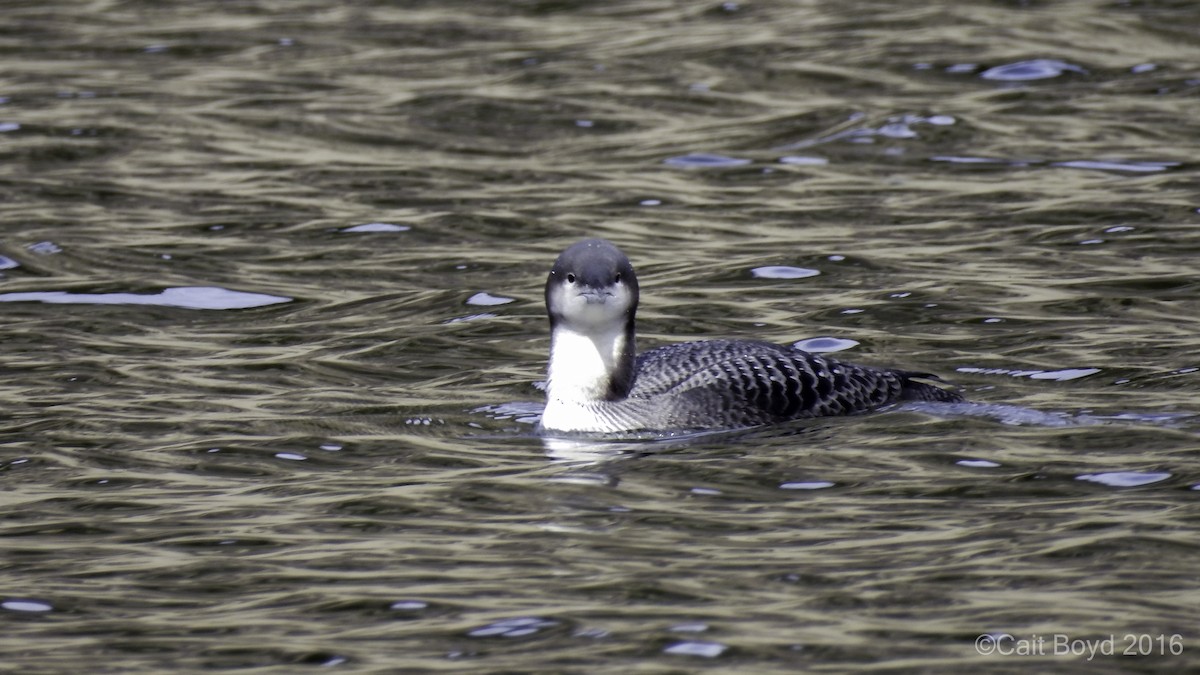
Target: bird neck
(588, 367)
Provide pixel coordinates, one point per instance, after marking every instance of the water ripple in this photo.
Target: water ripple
(708, 650)
(1125, 478)
(705, 160)
(783, 272)
(514, 627)
(377, 227)
(187, 297)
(1034, 69)
(22, 605)
(824, 345)
(1135, 167)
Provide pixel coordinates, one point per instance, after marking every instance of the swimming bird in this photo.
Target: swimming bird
(597, 383)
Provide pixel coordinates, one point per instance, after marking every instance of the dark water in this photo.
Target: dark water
(242, 432)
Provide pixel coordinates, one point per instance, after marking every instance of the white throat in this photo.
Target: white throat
(581, 367)
(582, 364)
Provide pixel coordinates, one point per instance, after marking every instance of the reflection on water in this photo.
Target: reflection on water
(331, 469)
(194, 297)
(1035, 69)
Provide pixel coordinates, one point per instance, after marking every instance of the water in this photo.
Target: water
(273, 313)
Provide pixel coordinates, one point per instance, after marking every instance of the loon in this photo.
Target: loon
(596, 383)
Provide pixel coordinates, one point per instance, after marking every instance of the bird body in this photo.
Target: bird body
(597, 383)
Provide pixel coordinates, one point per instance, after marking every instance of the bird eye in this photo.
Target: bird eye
(618, 279)
(570, 278)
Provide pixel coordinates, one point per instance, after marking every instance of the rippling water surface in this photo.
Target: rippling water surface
(272, 318)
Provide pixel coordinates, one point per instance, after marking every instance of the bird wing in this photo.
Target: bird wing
(755, 382)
